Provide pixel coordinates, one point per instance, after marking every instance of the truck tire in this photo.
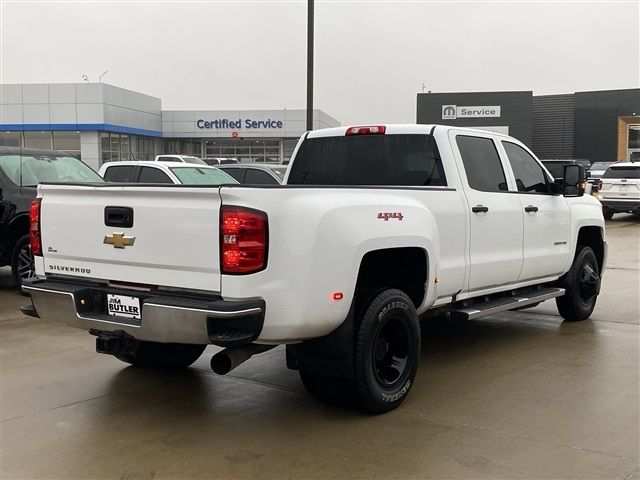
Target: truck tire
(607, 213)
(22, 261)
(387, 351)
(169, 356)
(329, 389)
(582, 285)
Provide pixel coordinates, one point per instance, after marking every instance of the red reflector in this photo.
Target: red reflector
(35, 239)
(338, 296)
(370, 130)
(243, 240)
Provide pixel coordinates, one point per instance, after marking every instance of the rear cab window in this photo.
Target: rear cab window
(389, 159)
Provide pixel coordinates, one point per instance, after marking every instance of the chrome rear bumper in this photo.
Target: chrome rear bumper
(165, 318)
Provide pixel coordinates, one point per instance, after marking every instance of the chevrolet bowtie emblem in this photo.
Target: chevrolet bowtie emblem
(118, 240)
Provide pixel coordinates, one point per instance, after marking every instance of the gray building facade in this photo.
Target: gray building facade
(599, 125)
(99, 122)
(503, 112)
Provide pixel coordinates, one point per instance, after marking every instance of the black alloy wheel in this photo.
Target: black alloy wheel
(387, 351)
(582, 285)
(391, 351)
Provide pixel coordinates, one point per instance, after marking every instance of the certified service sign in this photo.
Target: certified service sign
(453, 112)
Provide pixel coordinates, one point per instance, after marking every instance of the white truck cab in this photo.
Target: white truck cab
(374, 227)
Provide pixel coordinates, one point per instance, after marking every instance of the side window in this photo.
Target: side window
(118, 174)
(153, 175)
(482, 164)
(529, 175)
(237, 173)
(258, 177)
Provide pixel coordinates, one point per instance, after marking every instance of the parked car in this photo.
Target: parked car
(596, 171)
(619, 189)
(21, 170)
(256, 174)
(556, 166)
(380, 225)
(180, 158)
(164, 172)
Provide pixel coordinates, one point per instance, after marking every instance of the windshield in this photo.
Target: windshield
(35, 169)
(622, 172)
(600, 165)
(280, 172)
(201, 176)
(405, 159)
(197, 160)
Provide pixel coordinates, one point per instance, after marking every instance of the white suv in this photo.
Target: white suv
(620, 189)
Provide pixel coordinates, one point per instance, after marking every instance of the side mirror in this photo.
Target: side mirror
(573, 181)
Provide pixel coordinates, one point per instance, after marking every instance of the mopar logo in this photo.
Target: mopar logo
(449, 112)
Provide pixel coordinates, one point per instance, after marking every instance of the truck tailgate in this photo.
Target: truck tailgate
(173, 240)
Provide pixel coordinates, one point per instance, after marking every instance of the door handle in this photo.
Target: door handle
(531, 208)
(479, 208)
(118, 217)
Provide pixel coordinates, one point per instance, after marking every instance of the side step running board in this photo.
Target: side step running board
(482, 309)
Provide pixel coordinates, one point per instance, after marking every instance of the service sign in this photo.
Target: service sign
(453, 112)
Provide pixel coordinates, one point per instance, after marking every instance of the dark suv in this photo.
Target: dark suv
(556, 167)
(21, 170)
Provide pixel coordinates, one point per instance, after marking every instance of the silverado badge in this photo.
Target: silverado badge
(118, 240)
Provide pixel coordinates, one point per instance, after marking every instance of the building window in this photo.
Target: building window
(288, 146)
(118, 147)
(244, 150)
(68, 142)
(10, 139)
(37, 140)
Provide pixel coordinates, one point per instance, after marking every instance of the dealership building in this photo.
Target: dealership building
(599, 126)
(100, 122)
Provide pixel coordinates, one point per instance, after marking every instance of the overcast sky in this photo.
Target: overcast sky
(371, 57)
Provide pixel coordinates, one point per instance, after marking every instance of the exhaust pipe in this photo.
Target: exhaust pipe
(229, 358)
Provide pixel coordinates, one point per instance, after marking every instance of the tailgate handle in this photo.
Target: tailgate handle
(118, 217)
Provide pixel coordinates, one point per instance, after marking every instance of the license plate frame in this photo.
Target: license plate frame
(124, 306)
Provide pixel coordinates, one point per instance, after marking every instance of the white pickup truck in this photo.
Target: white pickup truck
(374, 228)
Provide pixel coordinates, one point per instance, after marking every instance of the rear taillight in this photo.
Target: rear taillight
(370, 130)
(599, 185)
(34, 228)
(243, 240)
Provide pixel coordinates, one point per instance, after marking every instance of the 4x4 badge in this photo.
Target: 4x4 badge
(118, 240)
(387, 215)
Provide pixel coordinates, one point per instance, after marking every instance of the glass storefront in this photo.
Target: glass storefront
(243, 149)
(246, 151)
(119, 147)
(65, 141)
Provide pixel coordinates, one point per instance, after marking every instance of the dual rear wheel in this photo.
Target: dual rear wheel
(386, 356)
